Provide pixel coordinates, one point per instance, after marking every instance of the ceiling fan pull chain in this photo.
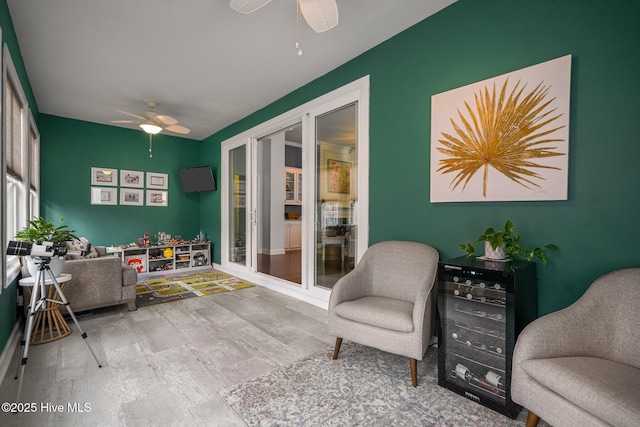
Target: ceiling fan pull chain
(298, 28)
(150, 146)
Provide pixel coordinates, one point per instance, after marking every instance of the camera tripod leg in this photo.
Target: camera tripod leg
(39, 299)
(66, 304)
(33, 308)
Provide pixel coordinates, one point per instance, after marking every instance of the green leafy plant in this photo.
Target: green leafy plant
(41, 230)
(511, 241)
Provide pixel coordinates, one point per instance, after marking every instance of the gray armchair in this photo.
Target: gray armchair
(388, 301)
(581, 366)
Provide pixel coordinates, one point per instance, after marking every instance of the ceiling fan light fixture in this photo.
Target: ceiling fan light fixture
(151, 128)
(321, 15)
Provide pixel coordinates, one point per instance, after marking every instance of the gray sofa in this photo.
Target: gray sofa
(98, 282)
(581, 366)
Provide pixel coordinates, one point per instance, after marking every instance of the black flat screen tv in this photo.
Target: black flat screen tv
(197, 179)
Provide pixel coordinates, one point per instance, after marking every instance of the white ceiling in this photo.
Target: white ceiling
(202, 62)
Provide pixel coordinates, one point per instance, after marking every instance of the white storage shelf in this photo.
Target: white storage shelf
(152, 259)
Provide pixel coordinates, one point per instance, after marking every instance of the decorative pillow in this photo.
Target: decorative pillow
(81, 245)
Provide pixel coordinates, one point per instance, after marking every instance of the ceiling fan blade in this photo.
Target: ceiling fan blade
(123, 121)
(247, 6)
(132, 115)
(177, 129)
(321, 15)
(166, 120)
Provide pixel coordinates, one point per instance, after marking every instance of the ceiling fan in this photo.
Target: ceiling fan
(321, 15)
(154, 123)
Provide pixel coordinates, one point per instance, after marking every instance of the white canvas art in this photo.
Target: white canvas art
(504, 138)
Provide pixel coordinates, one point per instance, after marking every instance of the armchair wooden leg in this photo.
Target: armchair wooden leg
(532, 419)
(336, 350)
(414, 372)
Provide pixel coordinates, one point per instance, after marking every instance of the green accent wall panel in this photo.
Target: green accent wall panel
(472, 40)
(8, 313)
(210, 216)
(69, 148)
(9, 38)
(8, 307)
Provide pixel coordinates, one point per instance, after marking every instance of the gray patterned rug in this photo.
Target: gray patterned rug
(363, 387)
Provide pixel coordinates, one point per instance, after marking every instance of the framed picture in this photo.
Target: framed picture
(157, 180)
(104, 196)
(133, 179)
(157, 198)
(503, 139)
(104, 176)
(339, 176)
(131, 196)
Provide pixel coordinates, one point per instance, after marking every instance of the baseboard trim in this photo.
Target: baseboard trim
(9, 350)
(280, 251)
(277, 285)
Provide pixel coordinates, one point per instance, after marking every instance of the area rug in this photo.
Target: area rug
(173, 287)
(363, 387)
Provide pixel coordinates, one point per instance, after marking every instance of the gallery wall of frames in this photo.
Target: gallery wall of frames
(128, 187)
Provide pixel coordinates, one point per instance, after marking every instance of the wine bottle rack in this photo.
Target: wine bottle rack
(482, 307)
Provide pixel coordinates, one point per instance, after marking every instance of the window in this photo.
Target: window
(22, 149)
(34, 168)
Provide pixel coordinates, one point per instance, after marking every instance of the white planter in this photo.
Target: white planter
(491, 253)
(56, 264)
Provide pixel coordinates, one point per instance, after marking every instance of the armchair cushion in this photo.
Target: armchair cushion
(387, 313)
(587, 380)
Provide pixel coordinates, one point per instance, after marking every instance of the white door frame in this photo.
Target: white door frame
(357, 91)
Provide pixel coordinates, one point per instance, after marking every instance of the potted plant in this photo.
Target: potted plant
(503, 244)
(40, 230)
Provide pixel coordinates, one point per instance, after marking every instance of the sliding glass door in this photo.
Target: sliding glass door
(237, 203)
(295, 199)
(336, 190)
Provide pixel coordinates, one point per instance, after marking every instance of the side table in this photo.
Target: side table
(48, 323)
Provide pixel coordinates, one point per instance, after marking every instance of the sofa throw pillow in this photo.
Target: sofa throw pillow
(81, 245)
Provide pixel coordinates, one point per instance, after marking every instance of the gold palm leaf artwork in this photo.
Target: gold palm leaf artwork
(505, 132)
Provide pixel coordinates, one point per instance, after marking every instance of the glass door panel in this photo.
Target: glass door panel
(238, 205)
(336, 194)
(279, 204)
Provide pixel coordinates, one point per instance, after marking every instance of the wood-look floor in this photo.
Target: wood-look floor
(289, 267)
(163, 365)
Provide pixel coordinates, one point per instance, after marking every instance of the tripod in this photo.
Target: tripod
(39, 300)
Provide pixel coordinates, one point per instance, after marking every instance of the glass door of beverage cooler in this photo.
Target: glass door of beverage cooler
(473, 316)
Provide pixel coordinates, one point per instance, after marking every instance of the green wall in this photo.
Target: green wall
(472, 40)
(8, 307)
(69, 148)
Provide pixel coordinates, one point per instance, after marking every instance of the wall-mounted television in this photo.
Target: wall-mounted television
(197, 179)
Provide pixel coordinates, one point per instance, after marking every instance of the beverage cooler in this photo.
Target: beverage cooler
(482, 307)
